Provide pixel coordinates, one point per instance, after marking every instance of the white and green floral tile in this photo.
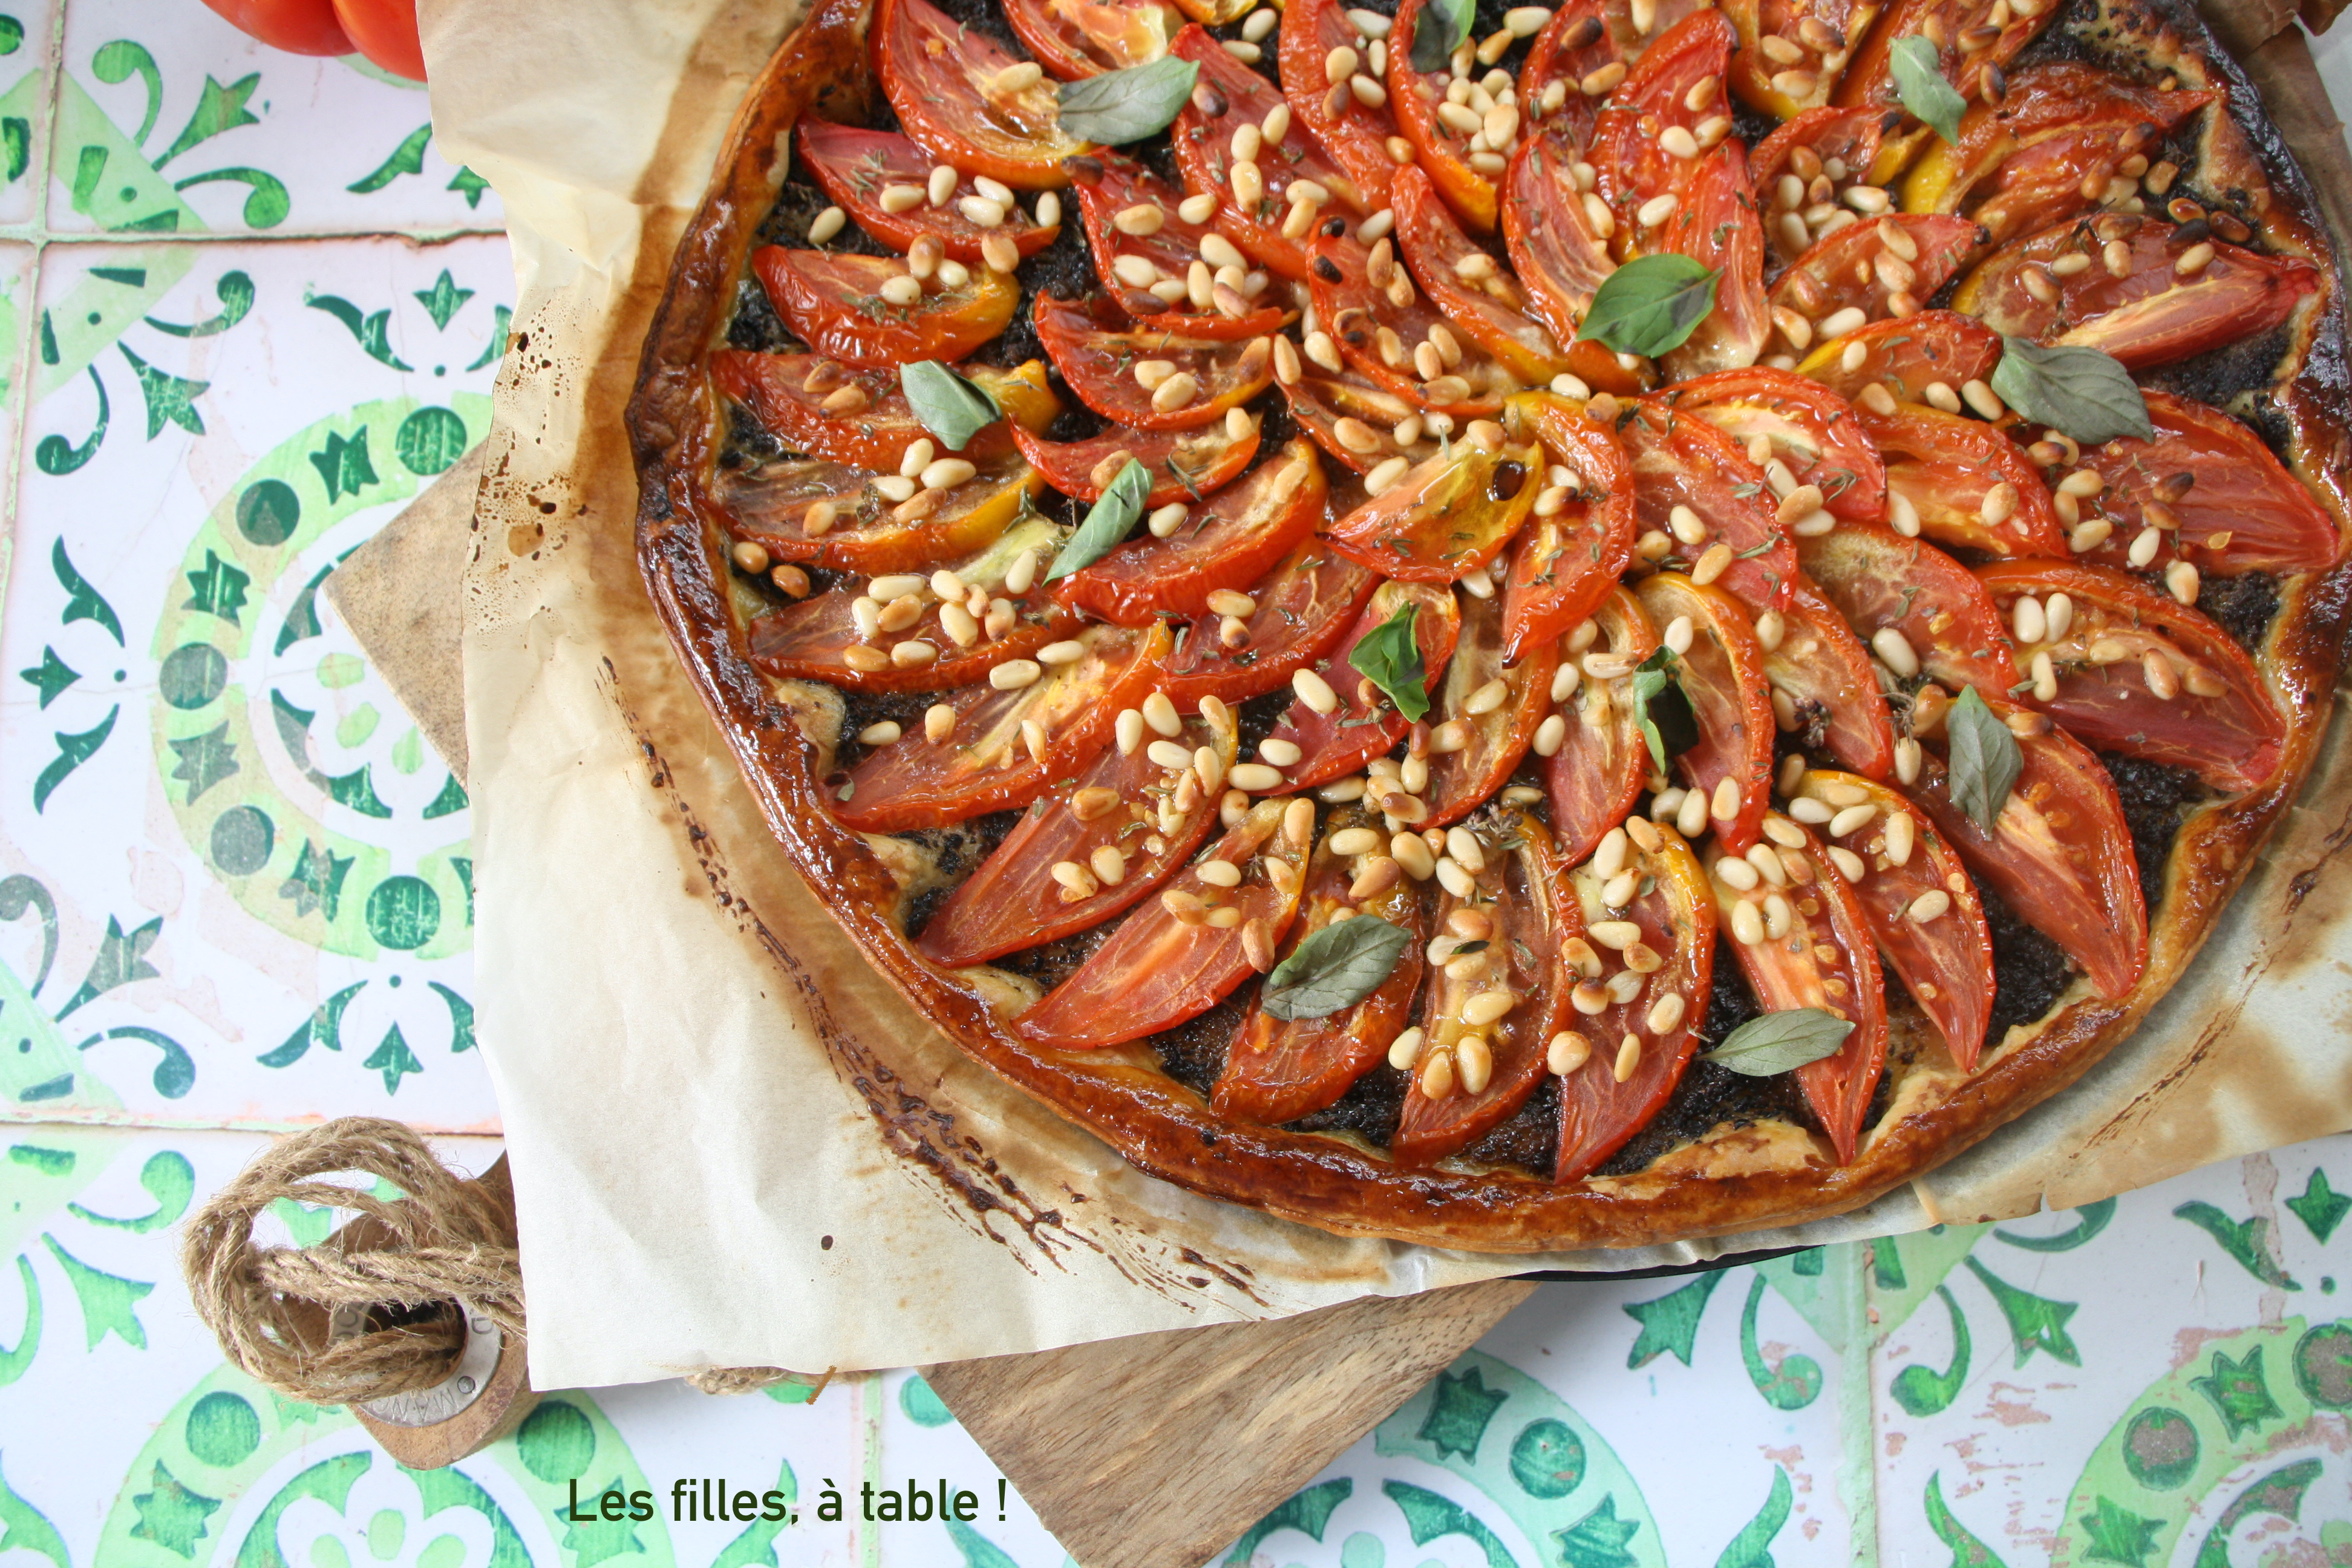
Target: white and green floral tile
(28, 35)
(935, 1495)
(170, 121)
(243, 888)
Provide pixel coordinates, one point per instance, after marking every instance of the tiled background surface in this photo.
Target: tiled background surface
(246, 311)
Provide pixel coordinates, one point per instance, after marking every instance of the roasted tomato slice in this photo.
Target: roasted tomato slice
(1106, 364)
(1361, 723)
(1213, 13)
(1867, 272)
(2214, 494)
(1966, 50)
(1183, 463)
(1809, 44)
(788, 393)
(1944, 623)
(833, 304)
(1580, 534)
(1805, 942)
(1823, 689)
(2060, 852)
(1684, 465)
(1365, 301)
(1304, 606)
(1223, 545)
(1480, 298)
(985, 759)
(1940, 949)
(1151, 274)
(2128, 669)
(837, 636)
(1084, 851)
(1557, 252)
(1967, 483)
(2151, 312)
(835, 516)
(1578, 42)
(1355, 418)
(1073, 38)
(1175, 957)
(1806, 166)
(1484, 717)
(1447, 517)
(1656, 942)
(942, 78)
(1354, 133)
(1599, 770)
(856, 167)
(1906, 359)
(1721, 671)
(1803, 424)
(1717, 227)
(1278, 1069)
(1488, 1015)
(1454, 148)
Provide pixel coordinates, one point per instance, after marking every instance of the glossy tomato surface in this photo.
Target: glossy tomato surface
(1226, 543)
(833, 304)
(298, 27)
(1597, 774)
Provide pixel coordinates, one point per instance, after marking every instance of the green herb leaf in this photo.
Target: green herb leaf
(1337, 967)
(1662, 709)
(948, 405)
(1780, 1042)
(1390, 656)
(1123, 106)
(1919, 79)
(1651, 305)
(2086, 394)
(1441, 28)
(1985, 759)
(1106, 524)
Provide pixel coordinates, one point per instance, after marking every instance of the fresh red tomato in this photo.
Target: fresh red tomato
(1832, 694)
(1484, 717)
(1304, 606)
(1480, 299)
(1577, 542)
(1811, 42)
(1442, 144)
(942, 77)
(1944, 959)
(1127, 822)
(2137, 671)
(833, 304)
(1102, 355)
(1602, 761)
(1811, 162)
(787, 393)
(1473, 1071)
(1684, 464)
(1074, 38)
(1365, 301)
(1883, 269)
(1363, 722)
(986, 761)
(1171, 960)
(1557, 253)
(856, 166)
(830, 514)
(1807, 426)
(1881, 582)
(1818, 952)
(2060, 852)
(1905, 358)
(1356, 419)
(385, 32)
(1445, 518)
(1354, 133)
(298, 27)
(1637, 1043)
(1970, 485)
(2149, 314)
(1277, 1069)
(1227, 542)
(1183, 463)
(1722, 673)
(1110, 184)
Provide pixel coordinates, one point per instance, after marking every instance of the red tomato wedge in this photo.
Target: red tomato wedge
(1602, 761)
(1575, 43)
(1686, 463)
(2060, 852)
(1484, 717)
(1968, 485)
(1557, 253)
(1074, 38)
(856, 166)
(1906, 357)
(1807, 426)
(1183, 463)
(2215, 493)
(1473, 1071)
(1813, 159)
(1818, 952)
(2151, 314)
(834, 304)
(2136, 671)
(1304, 606)
(1881, 269)
(1354, 133)
(1278, 1069)
(940, 77)
(1171, 959)
(1441, 145)
(1100, 360)
(1445, 518)
(1722, 673)
(1822, 670)
(985, 763)
(1108, 184)
(1356, 419)
(1381, 326)
(830, 514)
(1481, 299)
(1616, 993)
(1943, 954)
(1580, 534)
(786, 393)
(1811, 41)
(1125, 814)
(1364, 723)
(1226, 543)
(1676, 83)
(1869, 77)
(1881, 582)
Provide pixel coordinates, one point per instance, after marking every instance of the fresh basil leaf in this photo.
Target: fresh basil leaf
(1919, 79)
(948, 405)
(1123, 106)
(1390, 656)
(1336, 967)
(1106, 524)
(1780, 1042)
(1651, 305)
(1443, 26)
(2086, 394)
(1985, 758)
(1662, 709)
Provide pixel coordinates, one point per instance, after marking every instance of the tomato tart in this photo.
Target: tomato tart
(1515, 628)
